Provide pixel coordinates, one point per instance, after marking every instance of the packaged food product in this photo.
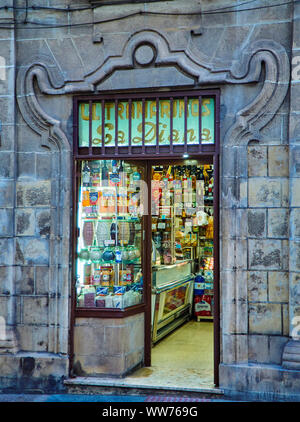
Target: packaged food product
(203, 305)
(97, 276)
(106, 276)
(109, 301)
(123, 277)
(89, 299)
(119, 290)
(87, 268)
(101, 291)
(100, 302)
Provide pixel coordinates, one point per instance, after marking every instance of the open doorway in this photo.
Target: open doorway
(182, 347)
(182, 299)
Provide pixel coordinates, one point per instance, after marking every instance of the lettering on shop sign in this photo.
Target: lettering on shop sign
(157, 123)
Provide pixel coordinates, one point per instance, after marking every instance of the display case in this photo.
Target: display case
(172, 297)
(110, 229)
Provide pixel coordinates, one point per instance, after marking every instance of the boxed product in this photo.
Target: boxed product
(203, 305)
(89, 299)
(100, 301)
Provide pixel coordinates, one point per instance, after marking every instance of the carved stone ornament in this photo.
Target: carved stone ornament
(249, 121)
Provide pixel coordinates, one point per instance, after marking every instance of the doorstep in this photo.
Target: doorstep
(127, 385)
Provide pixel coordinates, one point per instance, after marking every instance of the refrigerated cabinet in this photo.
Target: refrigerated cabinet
(172, 297)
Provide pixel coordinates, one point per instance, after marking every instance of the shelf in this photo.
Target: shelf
(210, 318)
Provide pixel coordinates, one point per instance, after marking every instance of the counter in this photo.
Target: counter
(172, 296)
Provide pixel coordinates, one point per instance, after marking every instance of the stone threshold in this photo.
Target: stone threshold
(83, 383)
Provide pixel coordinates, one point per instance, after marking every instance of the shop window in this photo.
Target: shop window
(125, 234)
(110, 234)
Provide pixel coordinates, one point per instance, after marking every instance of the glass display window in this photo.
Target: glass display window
(110, 223)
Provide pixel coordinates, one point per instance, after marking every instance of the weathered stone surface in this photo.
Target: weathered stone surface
(257, 161)
(98, 340)
(6, 248)
(32, 251)
(42, 280)
(26, 163)
(25, 222)
(259, 348)
(7, 280)
(264, 192)
(257, 286)
(278, 161)
(43, 223)
(35, 193)
(24, 280)
(265, 254)
(294, 255)
(278, 223)
(7, 193)
(294, 160)
(33, 337)
(257, 223)
(6, 222)
(7, 164)
(265, 318)
(278, 286)
(295, 192)
(35, 310)
(295, 223)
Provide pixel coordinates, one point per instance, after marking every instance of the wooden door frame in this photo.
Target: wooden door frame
(214, 160)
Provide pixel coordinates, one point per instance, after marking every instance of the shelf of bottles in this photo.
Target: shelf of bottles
(182, 211)
(182, 225)
(110, 229)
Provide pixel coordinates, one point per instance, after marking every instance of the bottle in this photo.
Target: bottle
(86, 175)
(104, 174)
(118, 256)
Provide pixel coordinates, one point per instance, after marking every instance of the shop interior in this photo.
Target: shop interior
(182, 270)
(110, 254)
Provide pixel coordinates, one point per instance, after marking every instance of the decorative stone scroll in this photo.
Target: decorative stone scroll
(147, 49)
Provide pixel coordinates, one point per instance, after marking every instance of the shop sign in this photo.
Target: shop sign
(160, 123)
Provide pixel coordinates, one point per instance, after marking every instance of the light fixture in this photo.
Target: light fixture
(185, 155)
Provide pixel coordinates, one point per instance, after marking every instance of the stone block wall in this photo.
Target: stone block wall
(259, 175)
(268, 252)
(7, 184)
(108, 346)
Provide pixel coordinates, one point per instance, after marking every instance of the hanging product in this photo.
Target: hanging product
(131, 233)
(102, 232)
(104, 174)
(86, 175)
(87, 270)
(88, 233)
(123, 232)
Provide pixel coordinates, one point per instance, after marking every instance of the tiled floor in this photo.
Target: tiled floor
(183, 359)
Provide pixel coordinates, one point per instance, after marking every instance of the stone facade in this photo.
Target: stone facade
(108, 346)
(251, 57)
